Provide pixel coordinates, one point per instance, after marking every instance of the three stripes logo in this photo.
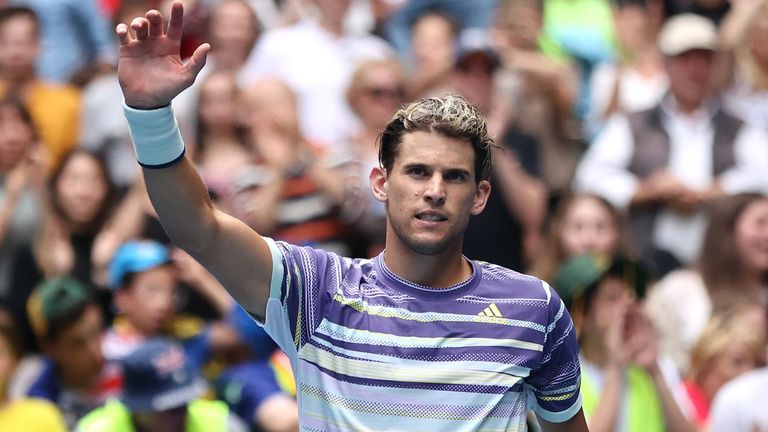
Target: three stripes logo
(491, 311)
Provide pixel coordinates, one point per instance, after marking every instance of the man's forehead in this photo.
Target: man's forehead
(419, 144)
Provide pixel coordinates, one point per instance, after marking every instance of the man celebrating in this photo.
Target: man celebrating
(418, 338)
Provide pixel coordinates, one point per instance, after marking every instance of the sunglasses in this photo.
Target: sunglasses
(385, 92)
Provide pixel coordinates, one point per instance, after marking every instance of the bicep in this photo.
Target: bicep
(241, 260)
(577, 423)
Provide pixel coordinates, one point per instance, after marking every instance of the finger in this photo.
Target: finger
(123, 34)
(176, 23)
(155, 19)
(141, 27)
(195, 63)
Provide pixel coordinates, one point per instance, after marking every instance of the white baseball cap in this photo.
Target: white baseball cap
(686, 32)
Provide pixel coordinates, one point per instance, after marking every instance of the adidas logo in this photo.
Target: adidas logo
(492, 311)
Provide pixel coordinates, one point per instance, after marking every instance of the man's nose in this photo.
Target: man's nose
(435, 192)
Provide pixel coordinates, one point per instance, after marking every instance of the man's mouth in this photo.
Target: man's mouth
(431, 217)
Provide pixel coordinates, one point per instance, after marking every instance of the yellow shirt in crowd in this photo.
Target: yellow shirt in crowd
(31, 415)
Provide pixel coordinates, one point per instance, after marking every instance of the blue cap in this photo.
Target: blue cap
(158, 377)
(135, 257)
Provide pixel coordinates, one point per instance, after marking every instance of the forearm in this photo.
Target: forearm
(674, 418)
(525, 196)
(605, 417)
(183, 205)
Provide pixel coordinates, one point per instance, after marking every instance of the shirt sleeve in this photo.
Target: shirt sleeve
(304, 281)
(603, 170)
(751, 163)
(554, 386)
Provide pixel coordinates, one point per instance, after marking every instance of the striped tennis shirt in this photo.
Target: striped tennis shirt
(373, 352)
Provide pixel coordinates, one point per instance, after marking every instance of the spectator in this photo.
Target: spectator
(622, 384)
(508, 230)
(582, 32)
(232, 29)
(745, 61)
(163, 392)
(536, 93)
(103, 128)
(319, 45)
(636, 81)
(79, 45)
(144, 280)
(434, 37)
(399, 29)
(303, 195)
(692, 151)
(221, 151)
(27, 414)
(729, 346)
(581, 224)
(82, 199)
(55, 109)
(375, 93)
(731, 270)
(21, 185)
(73, 374)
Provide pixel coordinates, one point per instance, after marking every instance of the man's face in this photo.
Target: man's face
(77, 350)
(430, 193)
(690, 76)
(19, 45)
(150, 300)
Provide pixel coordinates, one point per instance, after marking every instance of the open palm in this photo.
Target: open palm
(150, 70)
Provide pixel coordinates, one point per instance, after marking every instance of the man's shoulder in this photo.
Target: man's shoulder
(513, 284)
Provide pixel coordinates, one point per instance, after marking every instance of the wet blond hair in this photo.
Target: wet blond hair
(449, 115)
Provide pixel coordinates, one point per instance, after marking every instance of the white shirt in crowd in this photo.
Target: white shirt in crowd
(740, 405)
(318, 66)
(604, 170)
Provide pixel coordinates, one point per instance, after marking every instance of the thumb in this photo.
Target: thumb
(195, 63)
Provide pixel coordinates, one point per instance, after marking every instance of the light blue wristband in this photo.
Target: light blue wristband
(155, 135)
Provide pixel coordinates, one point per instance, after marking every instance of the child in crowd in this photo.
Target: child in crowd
(582, 223)
(622, 385)
(27, 414)
(73, 374)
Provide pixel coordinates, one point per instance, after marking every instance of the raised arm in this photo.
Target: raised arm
(151, 74)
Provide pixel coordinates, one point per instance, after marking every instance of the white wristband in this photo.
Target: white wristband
(156, 136)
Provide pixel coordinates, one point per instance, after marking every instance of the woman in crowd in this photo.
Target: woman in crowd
(582, 223)
(744, 55)
(728, 347)
(221, 151)
(81, 201)
(732, 270)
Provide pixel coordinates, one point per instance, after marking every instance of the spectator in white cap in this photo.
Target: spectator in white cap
(664, 165)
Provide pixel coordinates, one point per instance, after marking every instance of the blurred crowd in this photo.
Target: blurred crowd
(631, 174)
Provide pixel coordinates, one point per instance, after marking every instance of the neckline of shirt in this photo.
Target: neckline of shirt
(423, 291)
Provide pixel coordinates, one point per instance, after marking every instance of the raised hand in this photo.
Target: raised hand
(150, 69)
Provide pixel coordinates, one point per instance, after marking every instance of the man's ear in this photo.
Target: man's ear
(481, 197)
(378, 179)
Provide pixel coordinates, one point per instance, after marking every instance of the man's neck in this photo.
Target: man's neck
(435, 271)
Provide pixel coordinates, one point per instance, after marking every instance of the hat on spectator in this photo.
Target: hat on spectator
(686, 32)
(158, 377)
(54, 299)
(577, 276)
(136, 257)
(476, 42)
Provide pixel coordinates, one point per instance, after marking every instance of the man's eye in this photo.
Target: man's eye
(417, 171)
(455, 176)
